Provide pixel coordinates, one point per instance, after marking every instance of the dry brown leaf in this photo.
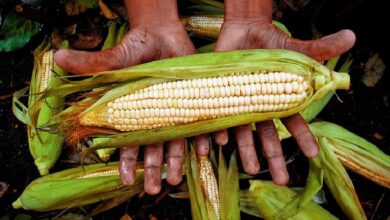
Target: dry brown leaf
(86, 41)
(373, 70)
(126, 217)
(152, 217)
(107, 11)
(109, 204)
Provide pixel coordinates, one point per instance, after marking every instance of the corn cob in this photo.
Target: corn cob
(45, 147)
(77, 187)
(187, 101)
(209, 26)
(205, 26)
(355, 153)
(209, 185)
(186, 96)
(46, 66)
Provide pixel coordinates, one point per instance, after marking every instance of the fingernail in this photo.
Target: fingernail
(127, 176)
(152, 189)
(251, 167)
(280, 178)
(221, 140)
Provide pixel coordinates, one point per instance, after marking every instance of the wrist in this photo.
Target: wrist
(158, 12)
(242, 10)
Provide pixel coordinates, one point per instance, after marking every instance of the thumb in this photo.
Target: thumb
(81, 62)
(325, 48)
(131, 51)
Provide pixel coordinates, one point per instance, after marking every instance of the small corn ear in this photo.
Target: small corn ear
(355, 153)
(209, 186)
(45, 147)
(205, 26)
(210, 26)
(199, 209)
(77, 187)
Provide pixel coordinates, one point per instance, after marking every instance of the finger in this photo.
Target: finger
(175, 160)
(132, 50)
(202, 145)
(153, 155)
(273, 151)
(128, 164)
(326, 47)
(221, 137)
(298, 128)
(246, 148)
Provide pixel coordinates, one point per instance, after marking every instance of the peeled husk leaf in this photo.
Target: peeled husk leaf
(339, 183)
(271, 200)
(354, 152)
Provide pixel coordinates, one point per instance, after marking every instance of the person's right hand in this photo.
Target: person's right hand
(156, 33)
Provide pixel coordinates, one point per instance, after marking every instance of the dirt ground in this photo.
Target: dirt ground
(363, 110)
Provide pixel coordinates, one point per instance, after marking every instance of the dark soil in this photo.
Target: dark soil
(363, 110)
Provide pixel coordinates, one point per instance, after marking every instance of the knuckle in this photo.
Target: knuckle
(268, 131)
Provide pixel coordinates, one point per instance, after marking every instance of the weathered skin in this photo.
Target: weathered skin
(248, 24)
(156, 33)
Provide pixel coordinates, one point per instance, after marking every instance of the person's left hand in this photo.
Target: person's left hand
(248, 25)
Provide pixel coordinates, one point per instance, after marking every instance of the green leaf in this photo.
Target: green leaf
(16, 32)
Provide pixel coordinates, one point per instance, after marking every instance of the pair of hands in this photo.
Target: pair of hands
(157, 33)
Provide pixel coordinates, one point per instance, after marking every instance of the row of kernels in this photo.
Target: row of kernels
(188, 115)
(45, 68)
(208, 102)
(237, 90)
(232, 79)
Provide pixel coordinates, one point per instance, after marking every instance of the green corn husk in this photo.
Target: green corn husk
(111, 38)
(206, 48)
(228, 185)
(271, 199)
(354, 152)
(114, 36)
(77, 187)
(339, 183)
(45, 147)
(201, 65)
(105, 153)
(197, 199)
(309, 113)
(121, 32)
(248, 203)
(304, 197)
